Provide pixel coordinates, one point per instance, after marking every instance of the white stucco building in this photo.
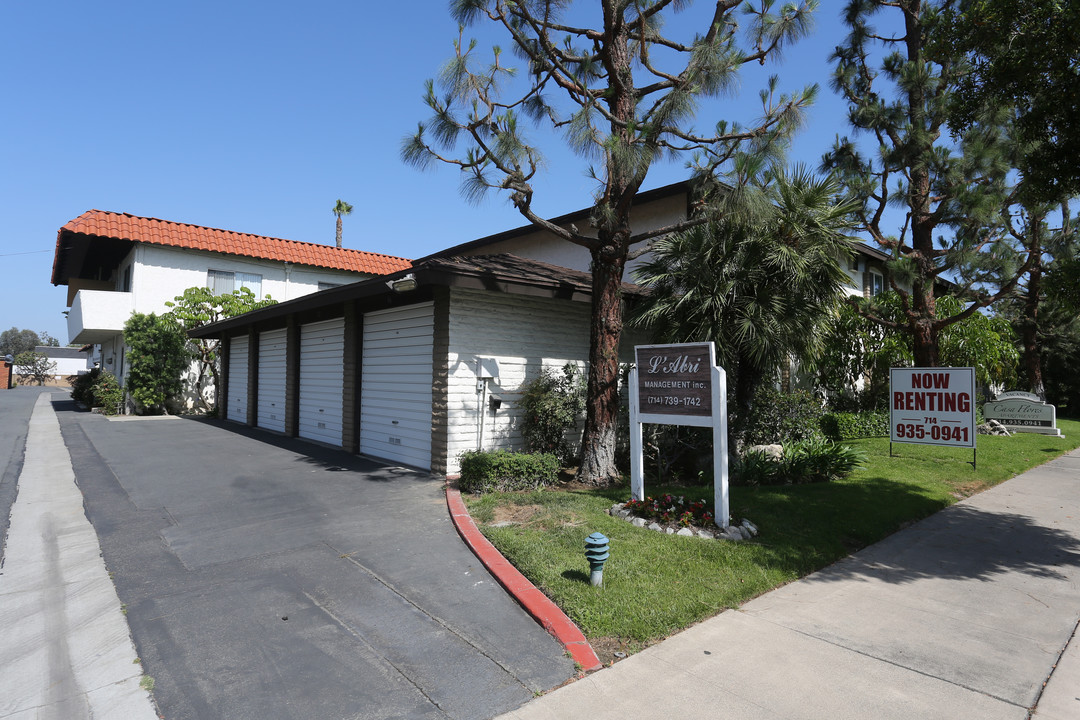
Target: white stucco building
(115, 264)
(425, 363)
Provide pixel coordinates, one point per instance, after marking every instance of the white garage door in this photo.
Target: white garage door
(322, 363)
(395, 406)
(236, 403)
(271, 409)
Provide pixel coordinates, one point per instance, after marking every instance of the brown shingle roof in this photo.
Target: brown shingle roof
(123, 226)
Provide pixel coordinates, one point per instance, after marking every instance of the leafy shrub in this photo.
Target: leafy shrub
(671, 510)
(80, 387)
(553, 404)
(807, 461)
(106, 393)
(503, 470)
(756, 468)
(157, 358)
(851, 425)
(780, 417)
(97, 388)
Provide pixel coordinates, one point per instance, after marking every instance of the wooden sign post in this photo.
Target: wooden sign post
(680, 385)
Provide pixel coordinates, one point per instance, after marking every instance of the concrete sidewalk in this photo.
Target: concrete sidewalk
(66, 651)
(963, 615)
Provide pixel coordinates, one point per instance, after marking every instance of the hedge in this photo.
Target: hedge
(503, 470)
(849, 426)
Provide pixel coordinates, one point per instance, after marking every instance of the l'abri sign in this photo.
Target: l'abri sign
(679, 385)
(675, 381)
(932, 406)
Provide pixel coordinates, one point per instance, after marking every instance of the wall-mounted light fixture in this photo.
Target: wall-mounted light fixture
(402, 284)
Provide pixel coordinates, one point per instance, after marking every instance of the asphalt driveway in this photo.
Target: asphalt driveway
(270, 578)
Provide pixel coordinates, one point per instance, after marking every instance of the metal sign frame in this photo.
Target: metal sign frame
(675, 363)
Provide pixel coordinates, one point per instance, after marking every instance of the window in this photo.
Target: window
(854, 262)
(222, 282)
(877, 284)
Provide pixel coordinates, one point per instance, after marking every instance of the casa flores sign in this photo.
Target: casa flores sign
(1022, 412)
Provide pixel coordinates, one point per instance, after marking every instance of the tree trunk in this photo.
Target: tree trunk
(925, 343)
(598, 446)
(338, 236)
(1029, 332)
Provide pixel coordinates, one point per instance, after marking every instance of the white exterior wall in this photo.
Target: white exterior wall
(523, 335)
(162, 273)
(545, 247)
(70, 366)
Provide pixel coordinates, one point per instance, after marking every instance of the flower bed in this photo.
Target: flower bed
(672, 510)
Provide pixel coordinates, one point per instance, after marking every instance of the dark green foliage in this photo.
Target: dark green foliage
(553, 405)
(1023, 55)
(157, 358)
(1060, 353)
(16, 341)
(80, 386)
(780, 417)
(97, 389)
(503, 470)
(806, 461)
(852, 425)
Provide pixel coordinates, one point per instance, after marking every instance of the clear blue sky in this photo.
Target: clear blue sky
(257, 117)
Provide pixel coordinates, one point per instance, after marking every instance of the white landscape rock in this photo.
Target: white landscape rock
(743, 531)
(774, 452)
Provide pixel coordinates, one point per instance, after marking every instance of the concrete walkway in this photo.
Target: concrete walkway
(963, 615)
(66, 652)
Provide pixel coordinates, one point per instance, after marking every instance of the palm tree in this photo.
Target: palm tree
(341, 208)
(760, 281)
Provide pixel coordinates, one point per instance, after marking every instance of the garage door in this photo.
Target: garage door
(395, 405)
(236, 403)
(271, 412)
(322, 363)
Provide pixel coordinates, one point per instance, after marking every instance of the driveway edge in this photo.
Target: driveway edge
(545, 612)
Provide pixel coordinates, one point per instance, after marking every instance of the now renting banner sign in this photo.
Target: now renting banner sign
(932, 406)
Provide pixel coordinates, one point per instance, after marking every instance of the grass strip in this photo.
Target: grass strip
(656, 584)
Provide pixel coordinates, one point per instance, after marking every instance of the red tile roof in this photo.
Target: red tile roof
(123, 226)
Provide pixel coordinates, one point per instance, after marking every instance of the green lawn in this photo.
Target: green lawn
(657, 584)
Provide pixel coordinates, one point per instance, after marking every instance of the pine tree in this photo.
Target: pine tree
(949, 194)
(624, 95)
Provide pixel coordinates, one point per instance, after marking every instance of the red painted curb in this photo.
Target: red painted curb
(536, 603)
